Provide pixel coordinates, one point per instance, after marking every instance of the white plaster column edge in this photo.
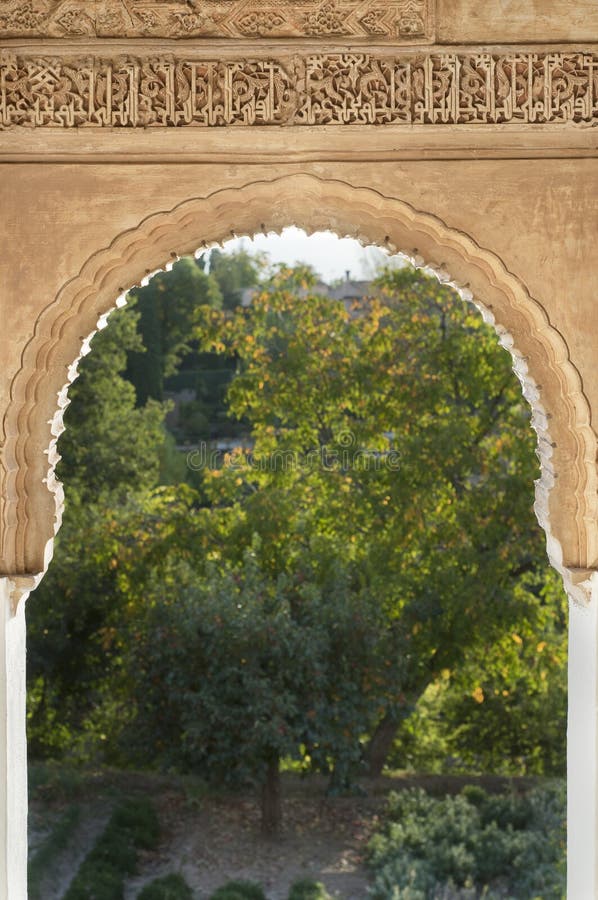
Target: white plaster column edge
(13, 741)
(582, 748)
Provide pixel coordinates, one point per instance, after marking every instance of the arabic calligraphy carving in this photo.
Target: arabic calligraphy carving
(319, 89)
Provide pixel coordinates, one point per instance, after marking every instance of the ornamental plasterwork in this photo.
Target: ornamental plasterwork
(317, 89)
(397, 20)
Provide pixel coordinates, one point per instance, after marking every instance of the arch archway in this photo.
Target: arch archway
(566, 494)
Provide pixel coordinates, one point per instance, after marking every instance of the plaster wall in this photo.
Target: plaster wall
(538, 216)
(516, 21)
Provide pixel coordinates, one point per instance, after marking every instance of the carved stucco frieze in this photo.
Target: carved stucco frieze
(318, 89)
(393, 20)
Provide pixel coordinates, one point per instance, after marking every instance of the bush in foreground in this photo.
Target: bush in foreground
(169, 887)
(239, 890)
(133, 825)
(475, 843)
(306, 889)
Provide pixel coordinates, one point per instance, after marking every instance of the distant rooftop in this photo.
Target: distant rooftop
(346, 290)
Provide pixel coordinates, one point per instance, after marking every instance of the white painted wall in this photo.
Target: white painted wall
(13, 746)
(582, 749)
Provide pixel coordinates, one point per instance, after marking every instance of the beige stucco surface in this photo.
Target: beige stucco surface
(537, 216)
(518, 21)
(541, 217)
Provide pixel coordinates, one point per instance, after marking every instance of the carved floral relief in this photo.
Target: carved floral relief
(394, 20)
(318, 89)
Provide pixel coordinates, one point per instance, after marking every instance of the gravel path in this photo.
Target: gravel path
(221, 841)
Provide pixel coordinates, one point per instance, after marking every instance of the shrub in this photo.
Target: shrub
(169, 887)
(137, 817)
(96, 882)
(55, 782)
(472, 843)
(132, 825)
(307, 889)
(239, 890)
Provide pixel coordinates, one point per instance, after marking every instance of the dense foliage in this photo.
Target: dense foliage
(307, 889)
(447, 546)
(168, 887)
(478, 844)
(242, 669)
(362, 581)
(169, 359)
(111, 453)
(165, 326)
(504, 709)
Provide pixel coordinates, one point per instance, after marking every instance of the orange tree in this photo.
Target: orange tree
(393, 435)
(238, 669)
(388, 479)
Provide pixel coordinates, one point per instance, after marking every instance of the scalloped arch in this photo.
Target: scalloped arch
(566, 494)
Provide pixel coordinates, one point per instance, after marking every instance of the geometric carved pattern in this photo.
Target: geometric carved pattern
(318, 89)
(396, 20)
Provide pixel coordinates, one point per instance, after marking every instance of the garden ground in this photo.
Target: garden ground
(211, 837)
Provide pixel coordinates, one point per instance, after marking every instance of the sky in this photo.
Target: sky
(330, 256)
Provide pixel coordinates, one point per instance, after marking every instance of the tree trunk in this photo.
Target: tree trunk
(380, 745)
(271, 799)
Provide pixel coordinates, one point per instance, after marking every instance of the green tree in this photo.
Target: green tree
(234, 272)
(380, 526)
(209, 374)
(392, 437)
(109, 445)
(443, 543)
(167, 309)
(232, 672)
(111, 453)
(504, 709)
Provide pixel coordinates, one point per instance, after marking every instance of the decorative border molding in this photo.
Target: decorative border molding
(482, 88)
(567, 493)
(399, 21)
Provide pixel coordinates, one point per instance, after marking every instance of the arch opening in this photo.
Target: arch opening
(530, 388)
(566, 503)
(533, 393)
